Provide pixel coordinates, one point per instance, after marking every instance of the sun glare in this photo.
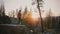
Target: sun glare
(35, 15)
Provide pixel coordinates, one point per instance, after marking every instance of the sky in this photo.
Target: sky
(14, 4)
(54, 5)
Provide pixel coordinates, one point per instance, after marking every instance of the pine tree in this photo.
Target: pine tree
(25, 12)
(49, 19)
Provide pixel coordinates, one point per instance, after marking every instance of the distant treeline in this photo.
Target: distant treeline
(52, 22)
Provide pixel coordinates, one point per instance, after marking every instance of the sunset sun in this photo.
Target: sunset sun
(35, 15)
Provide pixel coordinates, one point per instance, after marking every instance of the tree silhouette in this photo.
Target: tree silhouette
(25, 12)
(49, 19)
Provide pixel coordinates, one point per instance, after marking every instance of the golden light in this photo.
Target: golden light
(32, 17)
